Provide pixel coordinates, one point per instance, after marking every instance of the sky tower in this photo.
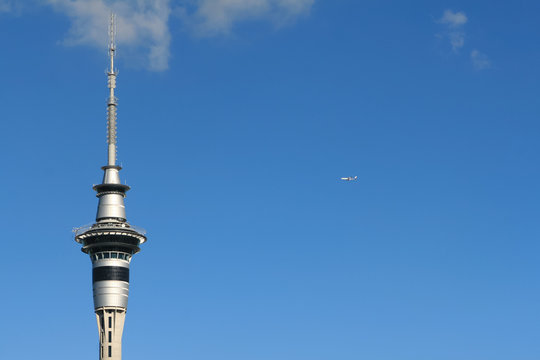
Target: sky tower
(111, 241)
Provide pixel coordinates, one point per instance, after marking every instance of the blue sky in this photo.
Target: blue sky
(236, 121)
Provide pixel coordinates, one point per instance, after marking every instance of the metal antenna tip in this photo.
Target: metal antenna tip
(112, 101)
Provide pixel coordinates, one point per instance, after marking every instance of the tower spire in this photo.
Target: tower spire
(111, 241)
(112, 101)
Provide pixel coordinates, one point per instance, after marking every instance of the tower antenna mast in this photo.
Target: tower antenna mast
(112, 101)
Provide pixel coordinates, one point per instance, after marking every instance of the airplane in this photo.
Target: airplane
(350, 178)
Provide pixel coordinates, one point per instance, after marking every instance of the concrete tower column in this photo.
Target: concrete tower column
(111, 326)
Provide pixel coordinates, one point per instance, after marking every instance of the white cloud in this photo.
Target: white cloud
(453, 19)
(214, 17)
(454, 23)
(480, 60)
(142, 26)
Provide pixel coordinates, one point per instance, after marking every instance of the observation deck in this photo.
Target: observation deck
(110, 236)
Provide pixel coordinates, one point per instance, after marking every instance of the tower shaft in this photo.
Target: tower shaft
(111, 326)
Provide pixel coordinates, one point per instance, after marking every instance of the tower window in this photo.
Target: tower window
(100, 256)
(110, 336)
(114, 255)
(110, 322)
(106, 255)
(110, 351)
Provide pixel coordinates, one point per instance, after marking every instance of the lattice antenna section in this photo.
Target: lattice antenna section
(112, 101)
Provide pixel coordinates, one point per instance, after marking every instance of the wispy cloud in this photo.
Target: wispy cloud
(11, 6)
(142, 26)
(454, 23)
(453, 19)
(480, 60)
(5, 6)
(216, 17)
